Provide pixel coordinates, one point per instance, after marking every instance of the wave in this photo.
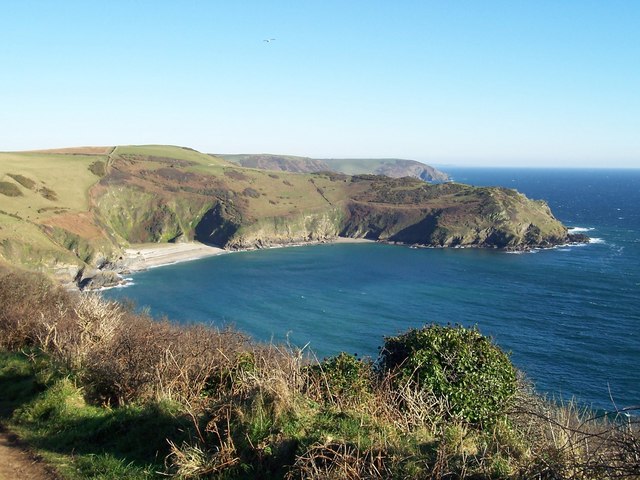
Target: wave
(580, 229)
(564, 247)
(126, 282)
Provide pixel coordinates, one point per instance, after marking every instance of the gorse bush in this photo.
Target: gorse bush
(343, 378)
(474, 377)
(28, 301)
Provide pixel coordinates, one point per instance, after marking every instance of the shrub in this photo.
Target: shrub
(48, 194)
(343, 379)
(98, 168)
(251, 192)
(149, 359)
(28, 301)
(22, 180)
(476, 379)
(10, 189)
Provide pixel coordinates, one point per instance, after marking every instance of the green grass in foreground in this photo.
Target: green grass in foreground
(81, 440)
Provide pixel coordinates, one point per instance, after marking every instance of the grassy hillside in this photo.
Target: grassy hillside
(53, 191)
(74, 209)
(286, 163)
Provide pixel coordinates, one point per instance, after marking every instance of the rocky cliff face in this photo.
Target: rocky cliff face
(292, 229)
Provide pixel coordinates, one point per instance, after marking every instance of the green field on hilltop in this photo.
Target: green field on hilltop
(60, 181)
(169, 151)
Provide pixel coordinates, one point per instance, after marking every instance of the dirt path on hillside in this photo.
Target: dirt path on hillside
(18, 463)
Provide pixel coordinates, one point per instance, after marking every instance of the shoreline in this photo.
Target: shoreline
(138, 258)
(142, 257)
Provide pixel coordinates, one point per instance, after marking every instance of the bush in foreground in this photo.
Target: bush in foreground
(475, 379)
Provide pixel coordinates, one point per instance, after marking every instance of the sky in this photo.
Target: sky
(479, 83)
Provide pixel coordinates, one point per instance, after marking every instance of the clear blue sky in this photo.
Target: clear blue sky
(459, 82)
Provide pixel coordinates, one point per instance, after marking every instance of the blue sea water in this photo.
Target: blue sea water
(570, 316)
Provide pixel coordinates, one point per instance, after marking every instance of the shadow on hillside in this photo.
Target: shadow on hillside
(136, 435)
(18, 383)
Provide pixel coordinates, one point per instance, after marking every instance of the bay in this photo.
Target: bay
(569, 316)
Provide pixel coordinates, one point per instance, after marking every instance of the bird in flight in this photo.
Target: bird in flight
(268, 40)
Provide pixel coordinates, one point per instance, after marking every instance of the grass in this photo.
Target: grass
(24, 243)
(82, 440)
(55, 184)
(169, 151)
(53, 172)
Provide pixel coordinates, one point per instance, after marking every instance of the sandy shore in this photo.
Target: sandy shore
(144, 256)
(352, 240)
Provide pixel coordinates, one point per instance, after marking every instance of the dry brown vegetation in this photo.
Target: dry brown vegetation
(10, 190)
(268, 411)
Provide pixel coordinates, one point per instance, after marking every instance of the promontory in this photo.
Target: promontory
(75, 210)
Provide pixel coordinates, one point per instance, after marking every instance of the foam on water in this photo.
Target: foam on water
(126, 282)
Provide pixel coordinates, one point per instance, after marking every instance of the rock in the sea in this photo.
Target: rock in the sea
(578, 238)
(97, 279)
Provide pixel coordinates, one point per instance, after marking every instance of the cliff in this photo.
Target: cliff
(76, 211)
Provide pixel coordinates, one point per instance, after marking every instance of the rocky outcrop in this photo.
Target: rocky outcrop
(217, 226)
(305, 227)
(93, 279)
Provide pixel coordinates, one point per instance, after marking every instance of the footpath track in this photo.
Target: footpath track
(17, 462)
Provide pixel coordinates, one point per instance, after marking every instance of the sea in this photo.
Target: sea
(569, 316)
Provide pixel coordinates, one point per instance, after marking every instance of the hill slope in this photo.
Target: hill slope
(69, 212)
(390, 167)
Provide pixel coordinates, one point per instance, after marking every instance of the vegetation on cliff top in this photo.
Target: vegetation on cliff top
(77, 208)
(103, 392)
